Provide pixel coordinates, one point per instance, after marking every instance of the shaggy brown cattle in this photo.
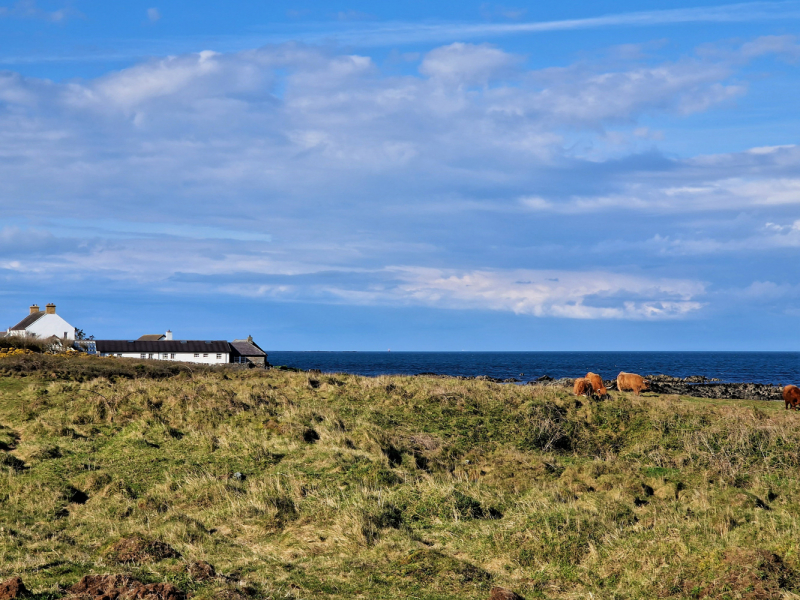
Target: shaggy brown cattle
(597, 384)
(631, 381)
(583, 387)
(791, 396)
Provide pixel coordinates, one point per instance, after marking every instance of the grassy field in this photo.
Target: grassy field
(296, 485)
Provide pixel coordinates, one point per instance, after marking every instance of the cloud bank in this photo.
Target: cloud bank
(297, 173)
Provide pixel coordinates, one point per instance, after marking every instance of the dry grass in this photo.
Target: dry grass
(395, 487)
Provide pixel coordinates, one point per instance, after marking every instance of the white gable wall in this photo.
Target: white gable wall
(48, 325)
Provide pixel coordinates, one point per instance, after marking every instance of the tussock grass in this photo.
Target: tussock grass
(392, 487)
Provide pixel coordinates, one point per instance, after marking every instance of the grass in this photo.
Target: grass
(390, 487)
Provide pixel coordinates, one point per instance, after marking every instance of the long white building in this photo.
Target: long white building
(214, 352)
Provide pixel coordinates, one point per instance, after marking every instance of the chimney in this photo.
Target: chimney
(250, 338)
(50, 309)
(34, 309)
(168, 335)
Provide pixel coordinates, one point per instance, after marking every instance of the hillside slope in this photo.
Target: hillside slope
(295, 485)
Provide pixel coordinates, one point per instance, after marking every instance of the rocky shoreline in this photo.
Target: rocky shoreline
(695, 386)
(664, 384)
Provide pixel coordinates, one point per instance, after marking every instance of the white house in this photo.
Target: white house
(43, 324)
(193, 351)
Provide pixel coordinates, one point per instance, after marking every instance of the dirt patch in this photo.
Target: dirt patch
(139, 550)
(13, 588)
(747, 574)
(122, 587)
(755, 574)
(499, 593)
(202, 571)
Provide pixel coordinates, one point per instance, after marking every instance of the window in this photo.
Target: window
(219, 356)
(142, 356)
(172, 355)
(150, 355)
(205, 355)
(197, 356)
(165, 356)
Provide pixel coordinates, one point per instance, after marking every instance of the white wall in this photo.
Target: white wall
(206, 358)
(48, 325)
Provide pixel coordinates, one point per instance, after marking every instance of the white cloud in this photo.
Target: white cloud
(468, 64)
(769, 290)
(761, 177)
(574, 295)
(162, 78)
(577, 94)
(153, 15)
(781, 45)
(769, 238)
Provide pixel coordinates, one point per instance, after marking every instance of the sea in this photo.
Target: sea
(780, 368)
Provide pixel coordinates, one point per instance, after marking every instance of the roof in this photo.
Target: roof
(28, 321)
(108, 346)
(151, 337)
(246, 349)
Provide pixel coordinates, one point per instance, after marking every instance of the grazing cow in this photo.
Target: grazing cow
(791, 396)
(597, 384)
(631, 381)
(583, 387)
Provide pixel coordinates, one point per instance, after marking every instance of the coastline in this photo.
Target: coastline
(694, 386)
(775, 368)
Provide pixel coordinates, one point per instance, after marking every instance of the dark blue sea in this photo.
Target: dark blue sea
(758, 367)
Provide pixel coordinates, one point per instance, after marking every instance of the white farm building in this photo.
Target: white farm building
(43, 325)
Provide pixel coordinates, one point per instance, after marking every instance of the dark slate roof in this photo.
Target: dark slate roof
(151, 337)
(28, 321)
(246, 349)
(162, 346)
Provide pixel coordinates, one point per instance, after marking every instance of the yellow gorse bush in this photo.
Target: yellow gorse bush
(6, 352)
(69, 352)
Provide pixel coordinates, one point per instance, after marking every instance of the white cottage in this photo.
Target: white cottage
(43, 325)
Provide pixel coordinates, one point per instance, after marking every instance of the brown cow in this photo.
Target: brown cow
(631, 381)
(791, 396)
(597, 384)
(583, 387)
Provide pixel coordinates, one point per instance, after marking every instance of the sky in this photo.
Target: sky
(362, 175)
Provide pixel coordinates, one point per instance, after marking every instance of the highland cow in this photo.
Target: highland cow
(597, 384)
(791, 396)
(583, 387)
(631, 381)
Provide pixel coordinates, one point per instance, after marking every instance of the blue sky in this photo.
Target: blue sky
(413, 176)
